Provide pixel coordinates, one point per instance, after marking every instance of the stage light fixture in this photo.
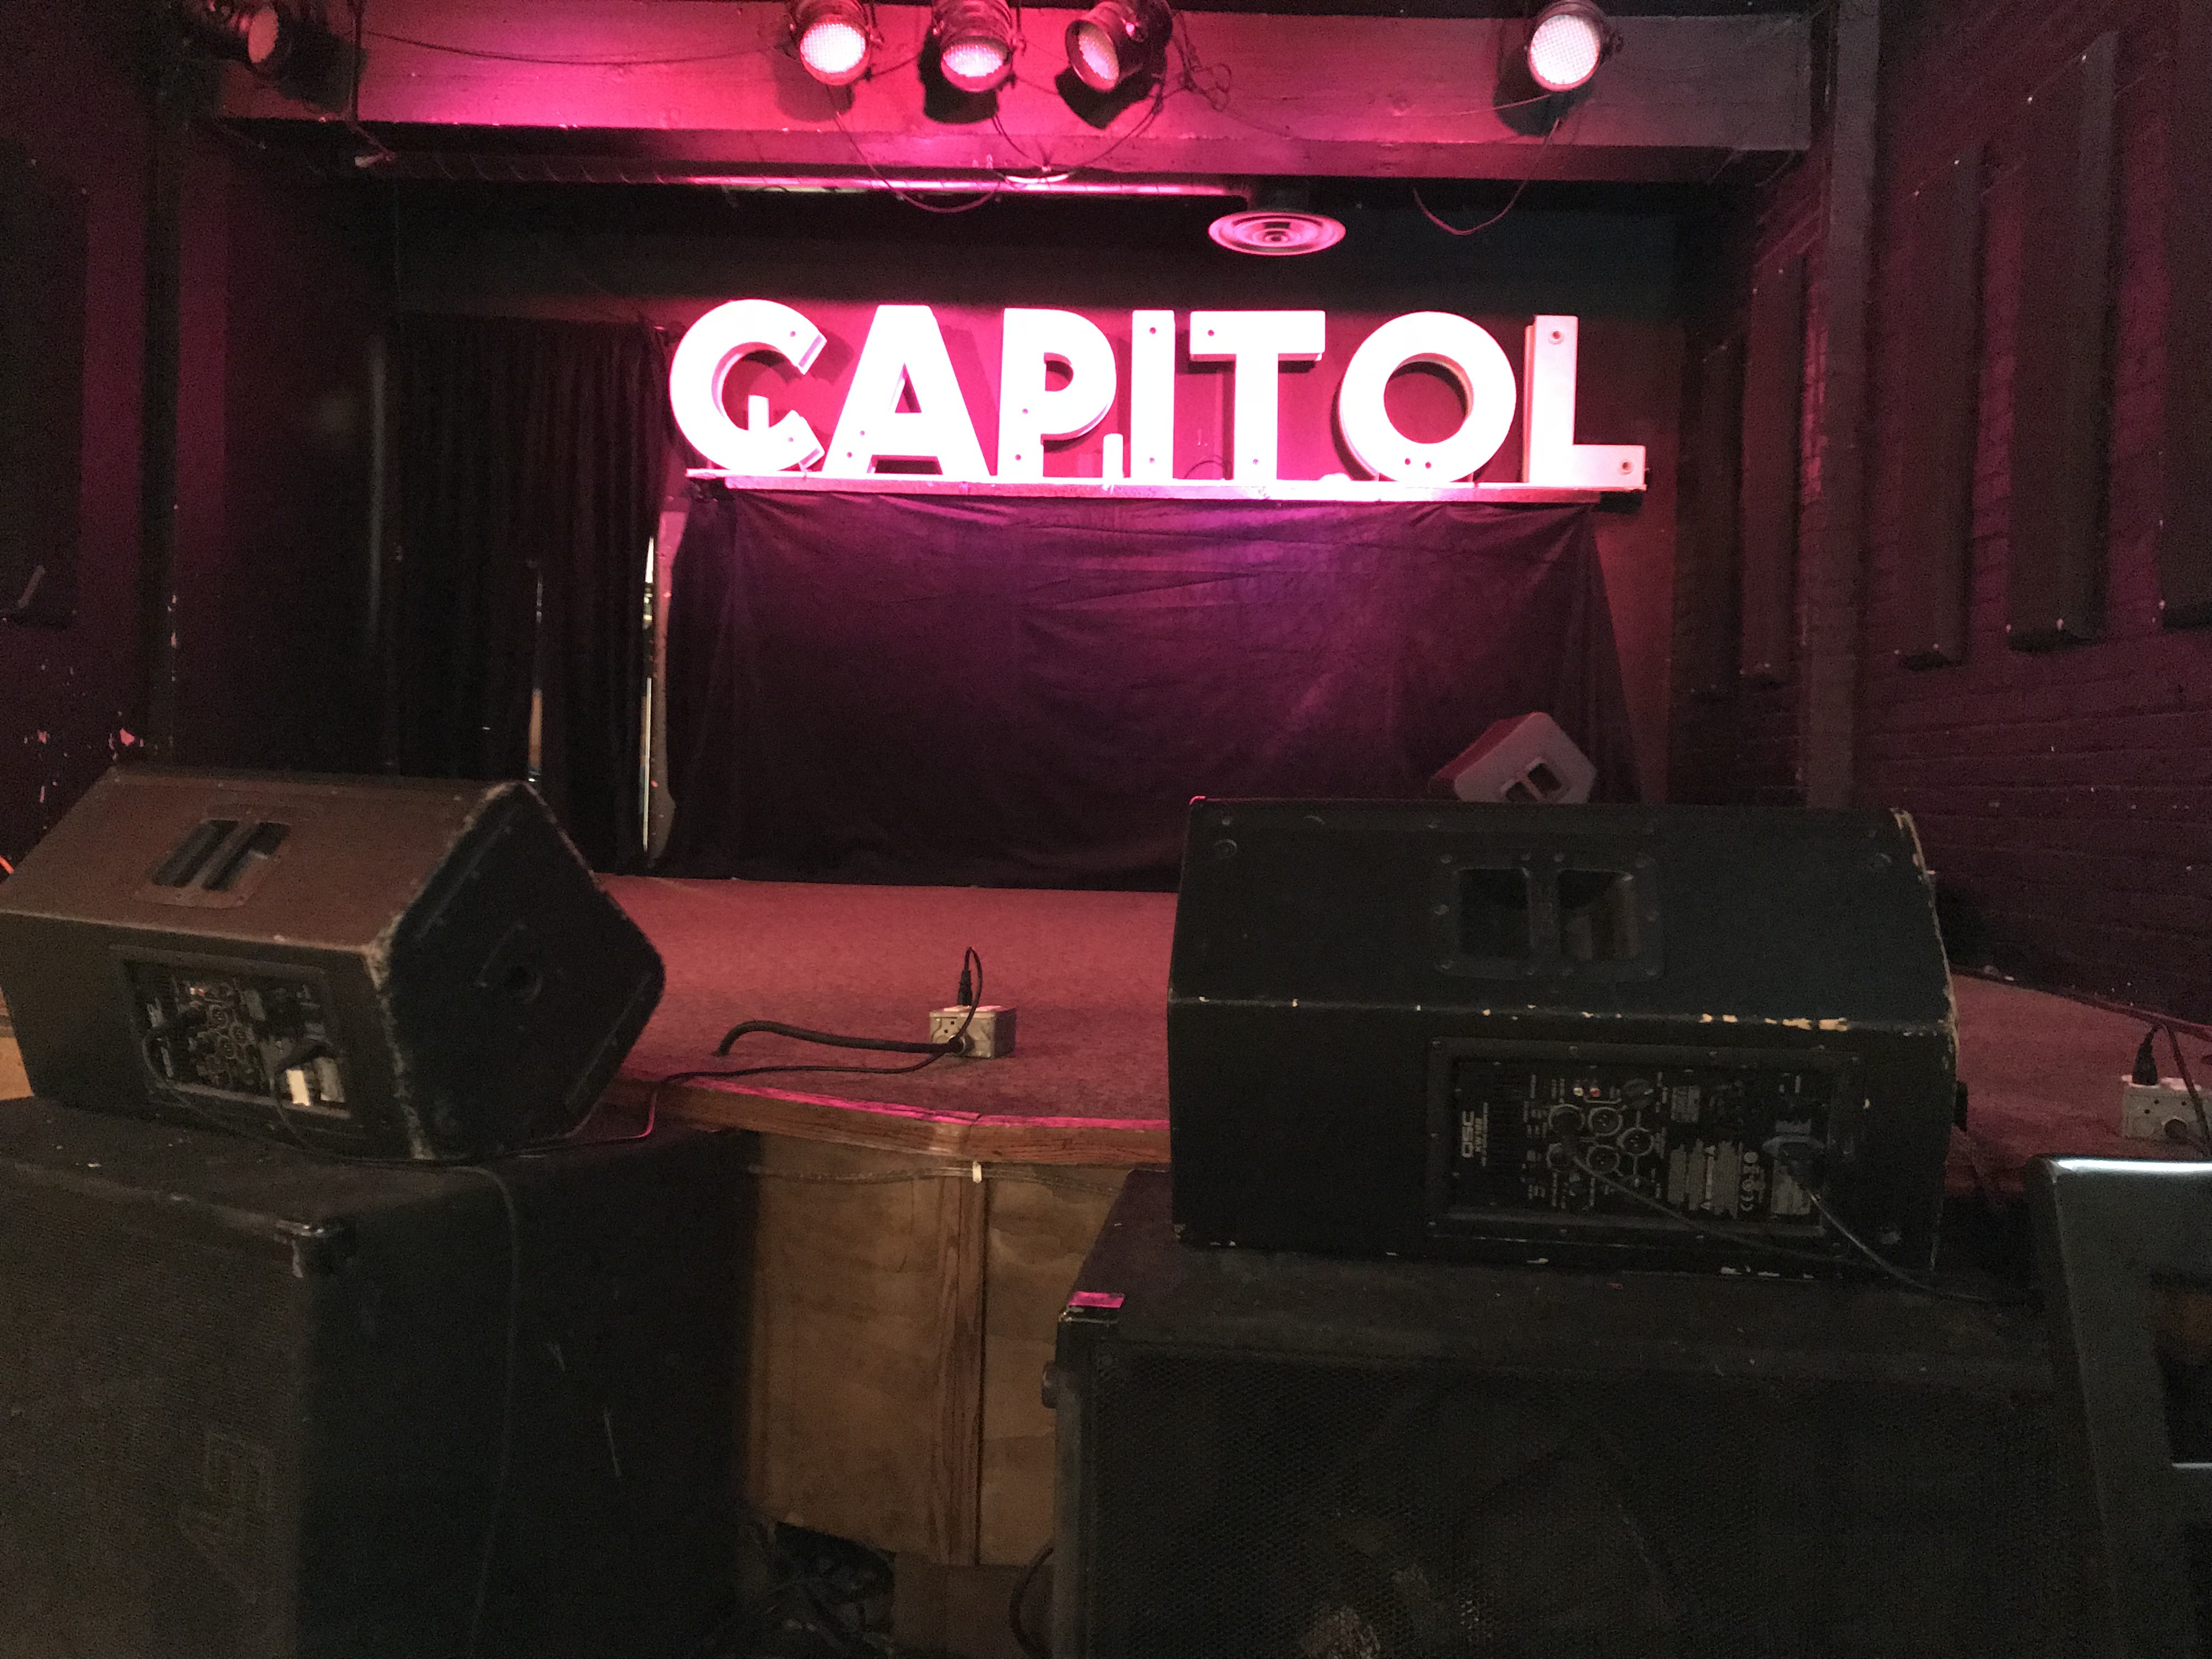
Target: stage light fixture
(1570, 38)
(974, 42)
(833, 39)
(258, 36)
(1113, 41)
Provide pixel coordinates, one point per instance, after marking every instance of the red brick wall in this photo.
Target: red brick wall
(2065, 798)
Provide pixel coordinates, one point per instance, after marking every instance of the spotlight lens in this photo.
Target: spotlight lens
(833, 50)
(974, 65)
(1090, 54)
(1564, 51)
(265, 32)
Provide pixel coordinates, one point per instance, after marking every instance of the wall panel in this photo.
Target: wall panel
(1935, 408)
(2061, 383)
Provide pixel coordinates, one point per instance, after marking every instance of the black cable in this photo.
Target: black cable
(1511, 202)
(1909, 1280)
(1711, 1229)
(1753, 1241)
(1028, 1644)
(970, 997)
(421, 45)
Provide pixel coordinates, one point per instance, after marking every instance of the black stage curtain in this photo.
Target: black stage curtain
(1030, 691)
(530, 458)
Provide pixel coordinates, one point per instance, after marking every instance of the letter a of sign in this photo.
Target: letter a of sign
(904, 349)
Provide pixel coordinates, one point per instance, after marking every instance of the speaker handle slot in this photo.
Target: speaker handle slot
(248, 856)
(190, 856)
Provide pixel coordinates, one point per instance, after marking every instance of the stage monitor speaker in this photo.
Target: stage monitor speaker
(376, 967)
(1451, 1028)
(1527, 759)
(257, 1405)
(1265, 1456)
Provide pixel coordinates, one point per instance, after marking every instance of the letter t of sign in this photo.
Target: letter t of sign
(1258, 342)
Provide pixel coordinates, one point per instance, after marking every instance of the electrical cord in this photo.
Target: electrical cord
(1802, 1168)
(1717, 1230)
(970, 996)
(1022, 1638)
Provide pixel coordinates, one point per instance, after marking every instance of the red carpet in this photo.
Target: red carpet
(1089, 973)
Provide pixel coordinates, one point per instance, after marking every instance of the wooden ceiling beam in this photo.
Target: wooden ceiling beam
(713, 88)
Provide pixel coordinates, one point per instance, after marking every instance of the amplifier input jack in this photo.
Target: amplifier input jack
(1604, 1159)
(1636, 1142)
(1605, 1122)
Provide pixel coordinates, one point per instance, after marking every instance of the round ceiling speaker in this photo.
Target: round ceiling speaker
(1277, 232)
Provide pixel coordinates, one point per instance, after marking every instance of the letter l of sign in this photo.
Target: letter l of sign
(1549, 454)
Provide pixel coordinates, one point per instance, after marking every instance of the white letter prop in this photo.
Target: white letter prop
(1259, 340)
(1029, 412)
(1462, 349)
(904, 348)
(710, 348)
(1152, 397)
(1549, 453)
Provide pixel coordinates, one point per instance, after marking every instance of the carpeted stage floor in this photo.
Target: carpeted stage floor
(1089, 972)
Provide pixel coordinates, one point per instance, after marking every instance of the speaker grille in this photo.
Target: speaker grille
(1244, 1509)
(148, 1462)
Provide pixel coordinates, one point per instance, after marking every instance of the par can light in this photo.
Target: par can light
(974, 42)
(833, 40)
(1111, 42)
(259, 36)
(1570, 38)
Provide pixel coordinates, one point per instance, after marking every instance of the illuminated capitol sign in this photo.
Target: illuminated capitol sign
(904, 360)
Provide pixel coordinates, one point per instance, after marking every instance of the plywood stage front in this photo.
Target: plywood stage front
(916, 1234)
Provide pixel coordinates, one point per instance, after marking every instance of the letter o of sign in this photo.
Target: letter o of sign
(712, 347)
(1463, 351)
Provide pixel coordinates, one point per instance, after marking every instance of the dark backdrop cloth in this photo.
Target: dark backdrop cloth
(1030, 691)
(530, 460)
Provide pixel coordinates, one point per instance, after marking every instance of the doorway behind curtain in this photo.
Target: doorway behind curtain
(530, 461)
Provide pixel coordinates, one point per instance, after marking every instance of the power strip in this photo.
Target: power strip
(989, 1036)
(2156, 1111)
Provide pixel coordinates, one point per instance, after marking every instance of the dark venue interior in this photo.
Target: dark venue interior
(1266, 829)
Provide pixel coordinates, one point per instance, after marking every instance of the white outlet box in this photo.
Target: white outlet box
(2147, 1110)
(990, 1034)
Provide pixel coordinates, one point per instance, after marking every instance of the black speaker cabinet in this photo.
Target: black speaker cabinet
(1270, 1457)
(1454, 1027)
(256, 1407)
(379, 967)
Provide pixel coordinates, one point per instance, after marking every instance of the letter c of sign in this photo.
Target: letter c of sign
(1463, 351)
(710, 348)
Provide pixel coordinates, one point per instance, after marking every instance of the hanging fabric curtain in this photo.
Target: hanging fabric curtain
(530, 461)
(1028, 691)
